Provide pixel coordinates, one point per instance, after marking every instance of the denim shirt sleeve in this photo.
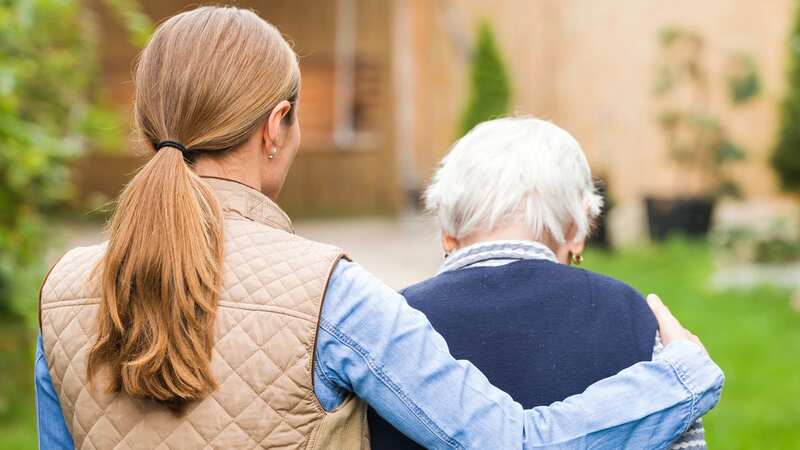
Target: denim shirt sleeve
(695, 437)
(50, 424)
(372, 344)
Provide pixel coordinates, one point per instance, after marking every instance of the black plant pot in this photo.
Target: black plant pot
(600, 236)
(689, 216)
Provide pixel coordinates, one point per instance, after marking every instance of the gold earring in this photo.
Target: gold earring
(273, 153)
(575, 259)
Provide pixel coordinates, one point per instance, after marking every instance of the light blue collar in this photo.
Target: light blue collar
(496, 253)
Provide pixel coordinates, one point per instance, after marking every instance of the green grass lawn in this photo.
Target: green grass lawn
(753, 335)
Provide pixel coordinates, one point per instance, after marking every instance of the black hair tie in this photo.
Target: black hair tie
(172, 144)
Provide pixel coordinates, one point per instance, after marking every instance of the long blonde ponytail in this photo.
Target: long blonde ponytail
(207, 79)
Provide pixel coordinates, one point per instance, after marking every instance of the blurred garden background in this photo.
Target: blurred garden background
(688, 111)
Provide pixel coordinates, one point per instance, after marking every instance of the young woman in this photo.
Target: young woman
(515, 201)
(204, 322)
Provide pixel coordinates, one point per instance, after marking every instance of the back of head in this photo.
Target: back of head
(207, 79)
(512, 169)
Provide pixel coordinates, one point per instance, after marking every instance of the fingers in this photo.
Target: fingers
(697, 341)
(655, 304)
(669, 327)
(663, 315)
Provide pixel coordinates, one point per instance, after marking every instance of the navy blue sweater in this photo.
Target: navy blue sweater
(539, 330)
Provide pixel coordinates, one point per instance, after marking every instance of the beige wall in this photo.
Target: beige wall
(586, 65)
(589, 67)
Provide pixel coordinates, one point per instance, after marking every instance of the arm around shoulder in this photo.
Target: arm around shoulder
(374, 345)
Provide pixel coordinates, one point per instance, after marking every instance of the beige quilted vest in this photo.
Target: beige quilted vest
(266, 329)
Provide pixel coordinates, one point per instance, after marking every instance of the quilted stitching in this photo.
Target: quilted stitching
(266, 323)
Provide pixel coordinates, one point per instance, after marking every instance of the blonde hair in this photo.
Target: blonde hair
(515, 169)
(207, 79)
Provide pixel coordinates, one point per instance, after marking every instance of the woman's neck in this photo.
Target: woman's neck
(237, 164)
(507, 232)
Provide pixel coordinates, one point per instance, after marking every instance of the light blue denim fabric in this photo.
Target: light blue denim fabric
(372, 344)
(52, 430)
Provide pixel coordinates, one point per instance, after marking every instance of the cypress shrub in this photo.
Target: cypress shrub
(490, 91)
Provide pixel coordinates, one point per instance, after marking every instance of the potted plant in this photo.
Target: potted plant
(696, 139)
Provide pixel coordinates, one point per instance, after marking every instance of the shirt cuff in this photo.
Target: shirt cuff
(697, 372)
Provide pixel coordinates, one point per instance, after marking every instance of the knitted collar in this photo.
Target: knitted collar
(496, 253)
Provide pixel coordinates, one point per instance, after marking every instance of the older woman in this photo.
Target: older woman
(515, 202)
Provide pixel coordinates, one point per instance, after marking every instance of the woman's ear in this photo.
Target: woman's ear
(571, 246)
(273, 128)
(449, 244)
(576, 247)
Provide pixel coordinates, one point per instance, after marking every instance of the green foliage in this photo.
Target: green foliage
(786, 156)
(47, 69)
(744, 82)
(775, 243)
(490, 90)
(51, 111)
(16, 349)
(682, 51)
(696, 138)
(139, 26)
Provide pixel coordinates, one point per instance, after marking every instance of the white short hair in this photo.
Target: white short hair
(512, 169)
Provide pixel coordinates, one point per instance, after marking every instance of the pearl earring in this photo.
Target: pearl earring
(273, 153)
